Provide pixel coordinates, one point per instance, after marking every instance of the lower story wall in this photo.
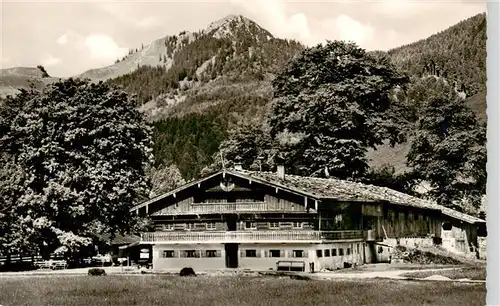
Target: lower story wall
(205, 257)
(162, 260)
(338, 255)
(378, 253)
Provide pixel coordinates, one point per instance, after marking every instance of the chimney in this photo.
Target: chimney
(237, 163)
(280, 167)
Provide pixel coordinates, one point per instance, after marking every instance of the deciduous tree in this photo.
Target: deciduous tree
(333, 102)
(449, 150)
(84, 150)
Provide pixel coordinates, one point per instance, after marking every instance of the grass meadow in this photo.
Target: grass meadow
(473, 273)
(223, 290)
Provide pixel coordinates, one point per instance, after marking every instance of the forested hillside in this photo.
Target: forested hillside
(224, 72)
(457, 54)
(221, 90)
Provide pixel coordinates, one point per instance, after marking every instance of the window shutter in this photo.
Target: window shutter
(203, 253)
(219, 253)
(290, 253)
(266, 253)
(282, 253)
(258, 253)
(242, 253)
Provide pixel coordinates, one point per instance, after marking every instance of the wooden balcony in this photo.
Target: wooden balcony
(229, 208)
(250, 237)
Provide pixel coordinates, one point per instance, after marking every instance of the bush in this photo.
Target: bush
(17, 267)
(97, 272)
(187, 272)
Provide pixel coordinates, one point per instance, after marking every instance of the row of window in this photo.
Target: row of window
(213, 225)
(391, 215)
(257, 253)
(333, 252)
(253, 225)
(274, 253)
(191, 253)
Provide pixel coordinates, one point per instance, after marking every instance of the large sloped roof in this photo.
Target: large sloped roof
(331, 188)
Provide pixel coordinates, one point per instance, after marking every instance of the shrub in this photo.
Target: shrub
(97, 272)
(17, 267)
(187, 272)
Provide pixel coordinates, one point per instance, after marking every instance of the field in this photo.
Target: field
(474, 273)
(223, 290)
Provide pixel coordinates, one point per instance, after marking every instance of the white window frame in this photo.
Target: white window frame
(211, 226)
(253, 225)
(274, 225)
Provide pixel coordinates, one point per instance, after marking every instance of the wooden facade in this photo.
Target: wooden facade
(230, 220)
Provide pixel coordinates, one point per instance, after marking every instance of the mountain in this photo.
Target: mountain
(194, 85)
(22, 77)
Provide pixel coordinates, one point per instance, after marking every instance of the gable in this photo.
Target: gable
(224, 187)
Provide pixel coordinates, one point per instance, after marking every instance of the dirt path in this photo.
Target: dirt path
(391, 274)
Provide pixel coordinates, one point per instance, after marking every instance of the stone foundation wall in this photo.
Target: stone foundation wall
(409, 242)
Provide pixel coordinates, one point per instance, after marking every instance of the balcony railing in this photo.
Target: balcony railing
(234, 207)
(249, 236)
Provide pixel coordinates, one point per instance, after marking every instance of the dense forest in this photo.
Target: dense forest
(457, 54)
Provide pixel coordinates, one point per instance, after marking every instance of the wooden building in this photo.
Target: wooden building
(268, 220)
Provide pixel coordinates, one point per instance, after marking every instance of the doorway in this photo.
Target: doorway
(231, 255)
(232, 223)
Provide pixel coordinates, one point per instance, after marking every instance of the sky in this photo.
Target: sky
(70, 37)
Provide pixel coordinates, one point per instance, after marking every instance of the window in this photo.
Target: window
(250, 225)
(211, 253)
(210, 226)
(298, 253)
(274, 253)
(190, 226)
(319, 253)
(274, 225)
(297, 225)
(251, 253)
(190, 253)
(348, 251)
(357, 245)
(334, 252)
(180, 226)
(327, 253)
(168, 227)
(341, 252)
(168, 254)
(447, 226)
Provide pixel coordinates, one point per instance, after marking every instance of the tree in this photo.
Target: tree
(250, 140)
(165, 179)
(449, 150)
(386, 176)
(332, 103)
(44, 72)
(84, 150)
